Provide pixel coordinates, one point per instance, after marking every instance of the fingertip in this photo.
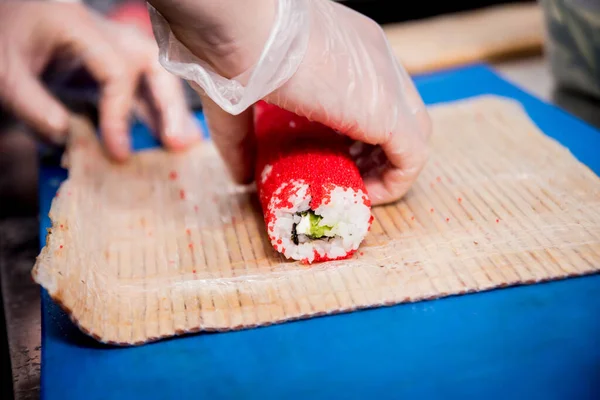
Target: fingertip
(183, 134)
(56, 125)
(115, 132)
(377, 194)
(118, 154)
(246, 177)
(239, 162)
(241, 173)
(388, 188)
(31, 102)
(117, 144)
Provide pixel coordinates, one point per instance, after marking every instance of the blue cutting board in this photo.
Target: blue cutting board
(540, 341)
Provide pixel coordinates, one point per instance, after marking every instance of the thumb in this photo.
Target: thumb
(26, 97)
(233, 135)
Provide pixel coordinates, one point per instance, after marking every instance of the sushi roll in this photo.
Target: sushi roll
(312, 195)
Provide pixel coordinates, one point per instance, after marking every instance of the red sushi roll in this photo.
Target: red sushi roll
(313, 198)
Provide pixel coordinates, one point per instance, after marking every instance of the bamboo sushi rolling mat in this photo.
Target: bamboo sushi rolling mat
(165, 245)
(488, 34)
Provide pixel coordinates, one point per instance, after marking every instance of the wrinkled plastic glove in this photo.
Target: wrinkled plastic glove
(123, 61)
(316, 58)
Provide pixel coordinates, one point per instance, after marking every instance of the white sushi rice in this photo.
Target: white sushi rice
(346, 213)
(265, 173)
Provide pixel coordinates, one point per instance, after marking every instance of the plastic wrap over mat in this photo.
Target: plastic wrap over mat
(166, 245)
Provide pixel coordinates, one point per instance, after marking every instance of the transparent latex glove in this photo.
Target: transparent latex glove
(35, 35)
(316, 58)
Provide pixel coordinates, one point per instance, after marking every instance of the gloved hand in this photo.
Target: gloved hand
(123, 61)
(316, 58)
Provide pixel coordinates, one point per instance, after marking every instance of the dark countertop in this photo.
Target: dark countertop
(19, 241)
(18, 249)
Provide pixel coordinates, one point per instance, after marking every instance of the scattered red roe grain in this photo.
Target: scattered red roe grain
(431, 210)
(188, 231)
(173, 175)
(460, 200)
(191, 245)
(61, 226)
(362, 254)
(412, 218)
(193, 271)
(447, 219)
(497, 220)
(61, 246)
(439, 179)
(319, 258)
(182, 194)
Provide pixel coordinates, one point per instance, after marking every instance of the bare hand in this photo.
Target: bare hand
(122, 61)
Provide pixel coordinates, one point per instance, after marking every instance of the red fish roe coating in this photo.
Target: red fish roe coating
(291, 148)
(320, 258)
(298, 149)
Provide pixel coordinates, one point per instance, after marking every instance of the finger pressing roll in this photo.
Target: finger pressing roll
(233, 135)
(407, 154)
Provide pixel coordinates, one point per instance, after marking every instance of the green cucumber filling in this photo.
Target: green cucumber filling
(309, 226)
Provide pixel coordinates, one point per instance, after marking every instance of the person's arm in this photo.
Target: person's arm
(228, 34)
